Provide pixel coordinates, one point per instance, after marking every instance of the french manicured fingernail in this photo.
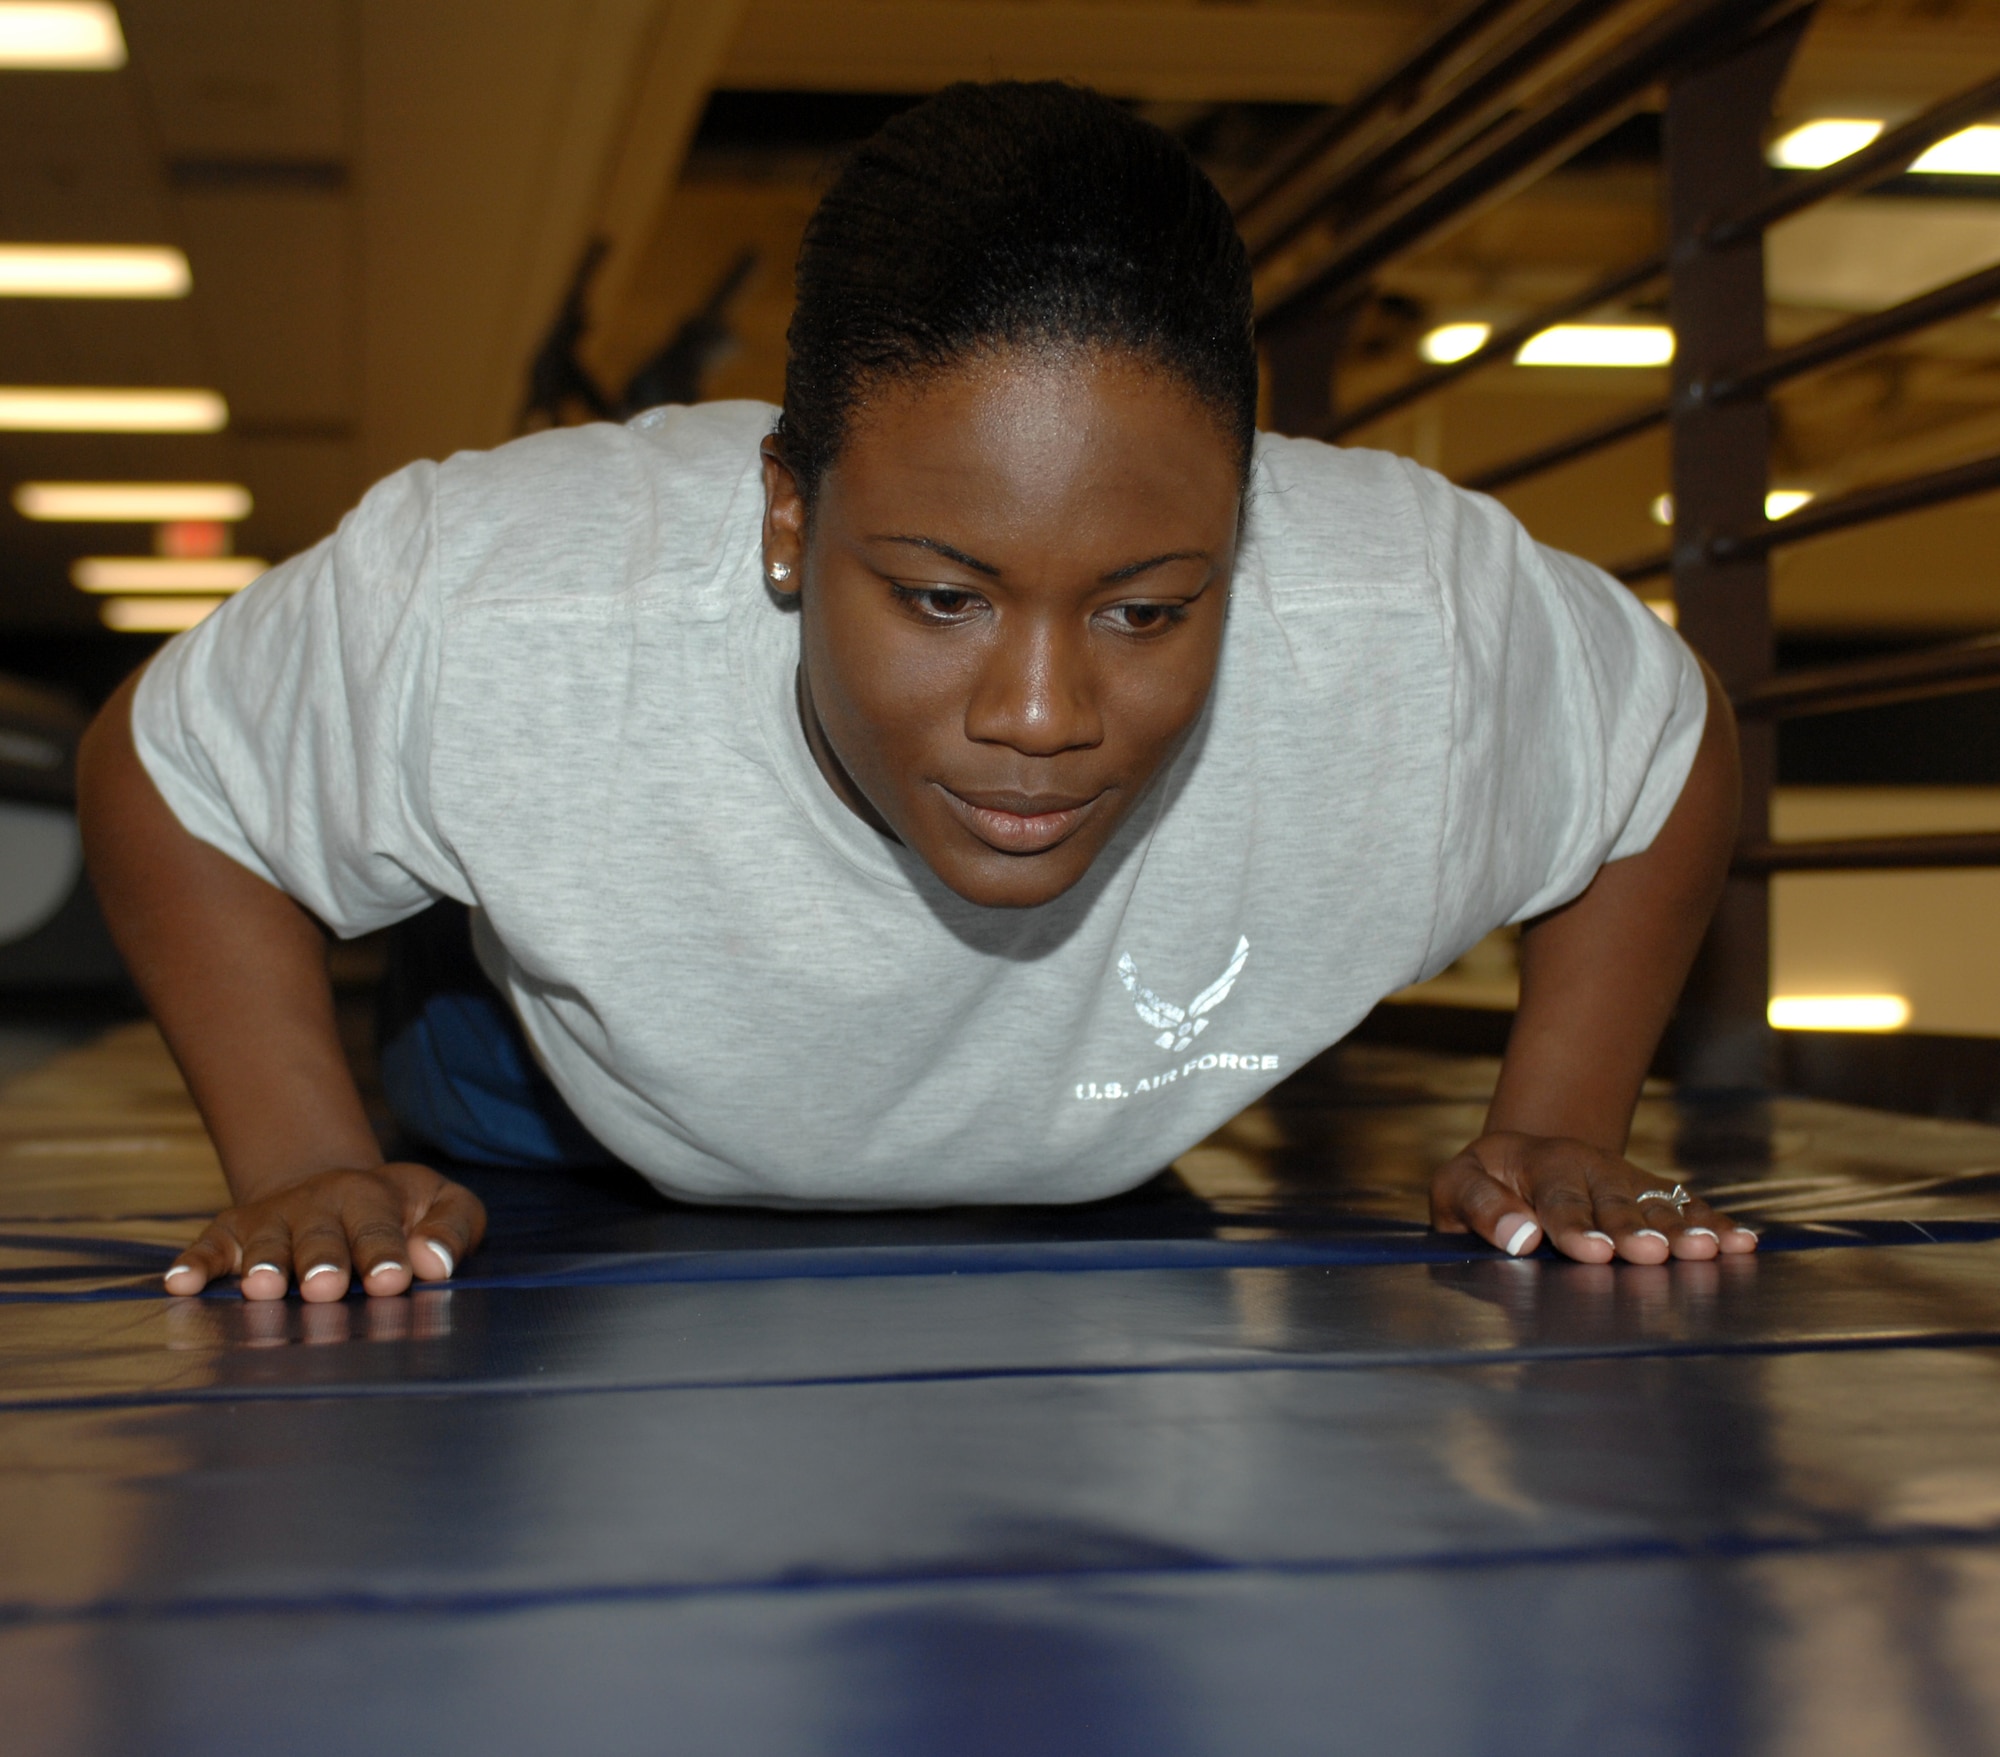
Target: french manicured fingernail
(180, 1269)
(443, 1256)
(1651, 1232)
(1749, 1232)
(1520, 1234)
(319, 1269)
(384, 1269)
(1603, 1238)
(1699, 1232)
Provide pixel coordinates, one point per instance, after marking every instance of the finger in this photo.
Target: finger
(1695, 1231)
(371, 1219)
(265, 1258)
(1553, 1192)
(319, 1252)
(1683, 1224)
(1463, 1192)
(1702, 1221)
(1632, 1233)
(448, 1233)
(1568, 1214)
(209, 1258)
(1737, 1239)
(1561, 1185)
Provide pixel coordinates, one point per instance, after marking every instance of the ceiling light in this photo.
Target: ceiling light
(154, 615)
(92, 271)
(1971, 152)
(1839, 1012)
(1599, 344)
(131, 503)
(1453, 341)
(83, 34)
(1825, 142)
(1662, 509)
(50, 409)
(165, 573)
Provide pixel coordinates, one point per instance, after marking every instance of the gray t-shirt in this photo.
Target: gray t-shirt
(549, 681)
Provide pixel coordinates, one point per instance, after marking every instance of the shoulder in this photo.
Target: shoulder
(1344, 514)
(1338, 510)
(1327, 523)
(1329, 527)
(591, 513)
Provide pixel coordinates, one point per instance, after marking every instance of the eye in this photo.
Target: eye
(948, 604)
(1144, 618)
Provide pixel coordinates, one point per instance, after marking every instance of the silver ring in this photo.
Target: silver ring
(1676, 1198)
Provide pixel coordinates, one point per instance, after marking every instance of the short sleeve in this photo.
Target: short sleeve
(292, 728)
(1576, 714)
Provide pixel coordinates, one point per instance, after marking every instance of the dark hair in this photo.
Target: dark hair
(1008, 214)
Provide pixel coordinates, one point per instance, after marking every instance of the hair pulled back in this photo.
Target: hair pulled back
(1014, 214)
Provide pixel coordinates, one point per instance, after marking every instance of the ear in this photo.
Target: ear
(784, 522)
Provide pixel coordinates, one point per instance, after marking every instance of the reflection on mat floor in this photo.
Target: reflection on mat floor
(1245, 1462)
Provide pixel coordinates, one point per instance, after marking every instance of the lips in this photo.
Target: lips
(1019, 823)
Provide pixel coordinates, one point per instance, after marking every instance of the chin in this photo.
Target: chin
(1009, 881)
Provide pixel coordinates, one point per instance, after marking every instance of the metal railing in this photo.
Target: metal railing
(1504, 92)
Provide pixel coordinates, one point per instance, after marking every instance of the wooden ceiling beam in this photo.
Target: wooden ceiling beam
(1271, 54)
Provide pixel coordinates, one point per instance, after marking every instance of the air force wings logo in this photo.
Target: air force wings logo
(1180, 1026)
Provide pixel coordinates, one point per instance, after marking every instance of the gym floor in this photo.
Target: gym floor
(1244, 1462)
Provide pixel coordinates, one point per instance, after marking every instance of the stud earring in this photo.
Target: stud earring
(781, 570)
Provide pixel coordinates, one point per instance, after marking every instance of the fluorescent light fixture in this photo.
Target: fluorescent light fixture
(1825, 142)
(1665, 609)
(1779, 503)
(154, 615)
(1971, 152)
(1453, 341)
(165, 573)
(82, 35)
(56, 409)
(131, 503)
(1599, 344)
(1839, 1012)
(93, 271)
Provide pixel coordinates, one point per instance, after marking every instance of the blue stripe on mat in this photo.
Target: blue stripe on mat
(490, 1601)
(1353, 1361)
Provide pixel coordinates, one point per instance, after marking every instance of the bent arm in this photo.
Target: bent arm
(1599, 978)
(1600, 975)
(233, 970)
(235, 973)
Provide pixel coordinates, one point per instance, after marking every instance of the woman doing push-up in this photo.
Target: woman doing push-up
(975, 782)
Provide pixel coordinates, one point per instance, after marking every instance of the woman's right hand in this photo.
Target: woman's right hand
(383, 1224)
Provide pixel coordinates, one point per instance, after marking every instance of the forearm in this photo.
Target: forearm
(233, 970)
(1600, 976)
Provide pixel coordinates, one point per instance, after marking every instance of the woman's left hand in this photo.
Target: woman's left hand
(1514, 1190)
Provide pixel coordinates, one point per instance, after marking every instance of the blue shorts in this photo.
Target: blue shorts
(456, 1069)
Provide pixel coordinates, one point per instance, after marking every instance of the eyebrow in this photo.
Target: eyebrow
(1139, 567)
(1131, 571)
(947, 551)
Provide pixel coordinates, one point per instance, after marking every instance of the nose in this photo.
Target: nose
(1036, 692)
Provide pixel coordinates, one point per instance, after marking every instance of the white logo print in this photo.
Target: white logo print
(1180, 1026)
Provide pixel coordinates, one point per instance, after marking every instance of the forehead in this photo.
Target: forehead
(1095, 446)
